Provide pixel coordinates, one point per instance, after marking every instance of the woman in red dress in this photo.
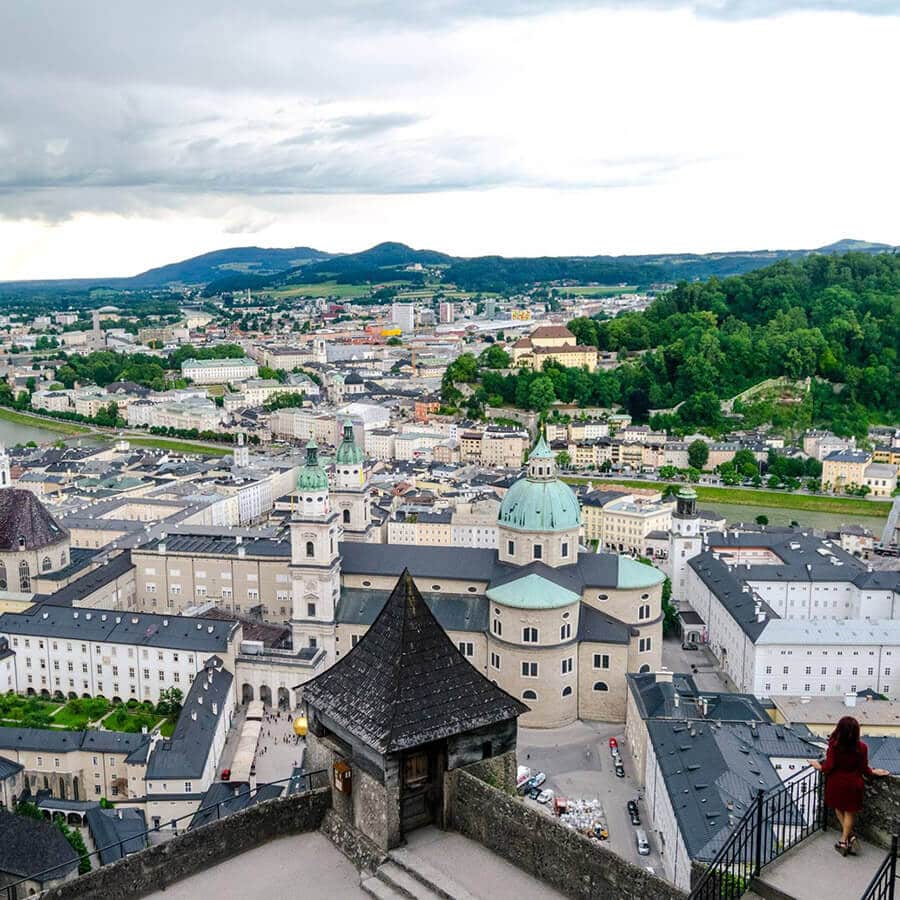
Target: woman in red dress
(845, 764)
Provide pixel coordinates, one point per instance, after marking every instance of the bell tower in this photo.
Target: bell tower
(5, 477)
(315, 559)
(685, 541)
(352, 494)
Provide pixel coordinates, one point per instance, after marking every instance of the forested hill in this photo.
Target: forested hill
(835, 318)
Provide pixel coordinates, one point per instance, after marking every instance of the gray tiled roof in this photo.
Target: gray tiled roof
(54, 740)
(116, 830)
(184, 756)
(29, 847)
(114, 627)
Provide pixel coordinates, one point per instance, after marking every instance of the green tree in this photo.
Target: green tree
(170, 700)
(698, 454)
(541, 394)
(762, 520)
(563, 459)
(494, 357)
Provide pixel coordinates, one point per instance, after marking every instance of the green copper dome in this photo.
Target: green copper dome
(348, 454)
(312, 476)
(531, 505)
(540, 502)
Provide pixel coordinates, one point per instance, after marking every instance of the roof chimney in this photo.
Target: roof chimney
(850, 700)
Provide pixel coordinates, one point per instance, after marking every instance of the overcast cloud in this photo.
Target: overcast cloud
(132, 134)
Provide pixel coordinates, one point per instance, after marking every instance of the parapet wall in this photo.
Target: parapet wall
(880, 815)
(540, 845)
(159, 866)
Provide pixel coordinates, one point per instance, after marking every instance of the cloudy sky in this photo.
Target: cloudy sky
(133, 134)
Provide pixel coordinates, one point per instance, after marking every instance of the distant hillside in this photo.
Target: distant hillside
(222, 263)
(239, 268)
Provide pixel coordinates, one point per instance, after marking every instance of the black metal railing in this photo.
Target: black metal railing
(298, 783)
(882, 885)
(775, 821)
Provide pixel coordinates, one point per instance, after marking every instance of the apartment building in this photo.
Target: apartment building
(622, 522)
(219, 371)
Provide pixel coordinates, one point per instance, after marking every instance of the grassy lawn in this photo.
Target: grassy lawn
(167, 728)
(77, 713)
(180, 446)
(324, 289)
(780, 499)
(15, 709)
(130, 721)
(12, 415)
(599, 290)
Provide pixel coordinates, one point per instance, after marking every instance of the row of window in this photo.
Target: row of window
(566, 691)
(885, 688)
(99, 650)
(824, 670)
(537, 550)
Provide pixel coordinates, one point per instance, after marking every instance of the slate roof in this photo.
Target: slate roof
(884, 752)
(455, 612)
(656, 698)
(22, 515)
(597, 627)
(184, 756)
(57, 741)
(234, 796)
(29, 847)
(405, 683)
(8, 768)
(87, 584)
(117, 627)
(116, 830)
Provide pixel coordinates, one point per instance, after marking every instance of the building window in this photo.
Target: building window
(645, 644)
(565, 631)
(564, 549)
(568, 664)
(467, 648)
(601, 686)
(497, 627)
(529, 635)
(529, 695)
(567, 691)
(511, 548)
(346, 516)
(529, 670)
(601, 660)
(644, 611)
(310, 549)
(24, 577)
(46, 564)
(537, 551)
(354, 640)
(3, 576)
(495, 660)
(310, 609)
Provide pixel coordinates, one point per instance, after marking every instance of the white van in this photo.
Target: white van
(643, 845)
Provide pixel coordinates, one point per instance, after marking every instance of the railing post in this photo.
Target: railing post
(759, 832)
(893, 867)
(820, 790)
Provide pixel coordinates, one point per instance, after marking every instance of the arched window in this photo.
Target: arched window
(346, 516)
(45, 564)
(62, 558)
(567, 691)
(24, 576)
(529, 695)
(601, 686)
(2, 576)
(310, 549)
(644, 668)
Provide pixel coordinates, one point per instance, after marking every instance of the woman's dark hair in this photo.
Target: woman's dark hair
(846, 734)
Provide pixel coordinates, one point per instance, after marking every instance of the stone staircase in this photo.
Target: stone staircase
(404, 875)
(813, 870)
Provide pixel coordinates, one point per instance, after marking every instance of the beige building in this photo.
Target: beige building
(843, 470)
(555, 343)
(622, 522)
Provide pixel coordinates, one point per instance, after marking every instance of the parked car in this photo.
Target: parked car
(533, 793)
(643, 845)
(689, 645)
(613, 744)
(523, 774)
(633, 813)
(601, 832)
(533, 783)
(620, 769)
(545, 796)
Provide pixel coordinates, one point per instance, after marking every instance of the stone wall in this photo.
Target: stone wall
(541, 846)
(880, 815)
(159, 866)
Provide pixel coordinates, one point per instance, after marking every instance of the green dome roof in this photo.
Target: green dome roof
(532, 505)
(348, 454)
(312, 476)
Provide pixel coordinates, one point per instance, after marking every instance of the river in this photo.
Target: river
(12, 433)
(735, 512)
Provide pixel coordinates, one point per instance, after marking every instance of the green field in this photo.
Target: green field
(130, 721)
(598, 290)
(179, 446)
(167, 728)
(11, 415)
(76, 714)
(30, 711)
(742, 496)
(325, 289)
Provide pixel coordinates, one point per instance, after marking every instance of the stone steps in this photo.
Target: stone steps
(404, 876)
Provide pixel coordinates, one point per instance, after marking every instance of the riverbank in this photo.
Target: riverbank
(162, 443)
(47, 424)
(849, 506)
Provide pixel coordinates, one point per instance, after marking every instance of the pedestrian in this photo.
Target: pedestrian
(846, 761)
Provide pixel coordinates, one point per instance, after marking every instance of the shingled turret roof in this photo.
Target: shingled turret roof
(25, 522)
(405, 683)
